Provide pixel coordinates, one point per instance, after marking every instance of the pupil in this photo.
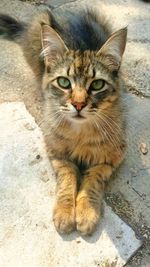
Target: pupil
(97, 84)
(63, 82)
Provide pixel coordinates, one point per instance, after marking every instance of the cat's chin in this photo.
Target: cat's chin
(78, 119)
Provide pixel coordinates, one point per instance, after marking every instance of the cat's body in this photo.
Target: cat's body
(82, 113)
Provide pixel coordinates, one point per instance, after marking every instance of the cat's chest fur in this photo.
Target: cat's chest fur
(85, 146)
(88, 153)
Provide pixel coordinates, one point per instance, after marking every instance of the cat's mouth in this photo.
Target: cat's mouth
(79, 117)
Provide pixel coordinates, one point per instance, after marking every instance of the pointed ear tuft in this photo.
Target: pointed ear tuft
(113, 49)
(52, 44)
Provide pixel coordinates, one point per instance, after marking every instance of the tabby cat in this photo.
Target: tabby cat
(76, 60)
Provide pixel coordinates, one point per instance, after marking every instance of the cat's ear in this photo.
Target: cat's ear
(52, 44)
(113, 49)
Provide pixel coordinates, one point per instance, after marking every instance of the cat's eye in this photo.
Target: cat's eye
(97, 85)
(63, 82)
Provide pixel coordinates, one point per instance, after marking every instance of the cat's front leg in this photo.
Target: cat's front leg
(66, 191)
(89, 198)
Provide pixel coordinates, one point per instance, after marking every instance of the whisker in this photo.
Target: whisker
(99, 128)
(49, 116)
(118, 129)
(110, 121)
(111, 135)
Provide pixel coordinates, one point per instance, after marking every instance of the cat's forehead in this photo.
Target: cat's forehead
(80, 64)
(84, 64)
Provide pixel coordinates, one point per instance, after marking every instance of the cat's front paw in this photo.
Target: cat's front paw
(87, 217)
(64, 219)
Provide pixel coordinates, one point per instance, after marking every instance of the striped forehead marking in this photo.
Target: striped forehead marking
(81, 65)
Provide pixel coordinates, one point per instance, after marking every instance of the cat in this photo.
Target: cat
(76, 60)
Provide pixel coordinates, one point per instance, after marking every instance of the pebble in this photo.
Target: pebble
(144, 148)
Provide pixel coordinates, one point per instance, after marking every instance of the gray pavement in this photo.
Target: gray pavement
(129, 193)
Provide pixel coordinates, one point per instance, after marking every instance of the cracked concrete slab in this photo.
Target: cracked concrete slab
(27, 192)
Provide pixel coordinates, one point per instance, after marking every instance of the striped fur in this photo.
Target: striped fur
(83, 128)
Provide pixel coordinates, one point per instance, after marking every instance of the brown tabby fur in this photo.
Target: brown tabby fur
(84, 151)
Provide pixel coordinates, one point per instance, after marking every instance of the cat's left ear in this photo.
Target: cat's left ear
(113, 49)
(52, 44)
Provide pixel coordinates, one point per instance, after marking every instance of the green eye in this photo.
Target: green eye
(63, 82)
(97, 84)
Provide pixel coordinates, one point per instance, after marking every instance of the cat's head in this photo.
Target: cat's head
(80, 85)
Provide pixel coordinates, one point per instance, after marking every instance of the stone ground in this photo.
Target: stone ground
(129, 193)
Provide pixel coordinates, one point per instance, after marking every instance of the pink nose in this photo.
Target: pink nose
(79, 105)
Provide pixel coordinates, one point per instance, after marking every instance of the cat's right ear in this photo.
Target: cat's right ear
(52, 44)
(112, 51)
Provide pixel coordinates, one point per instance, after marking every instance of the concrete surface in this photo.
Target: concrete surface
(27, 234)
(128, 194)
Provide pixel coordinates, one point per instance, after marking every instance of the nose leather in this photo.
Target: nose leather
(78, 105)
